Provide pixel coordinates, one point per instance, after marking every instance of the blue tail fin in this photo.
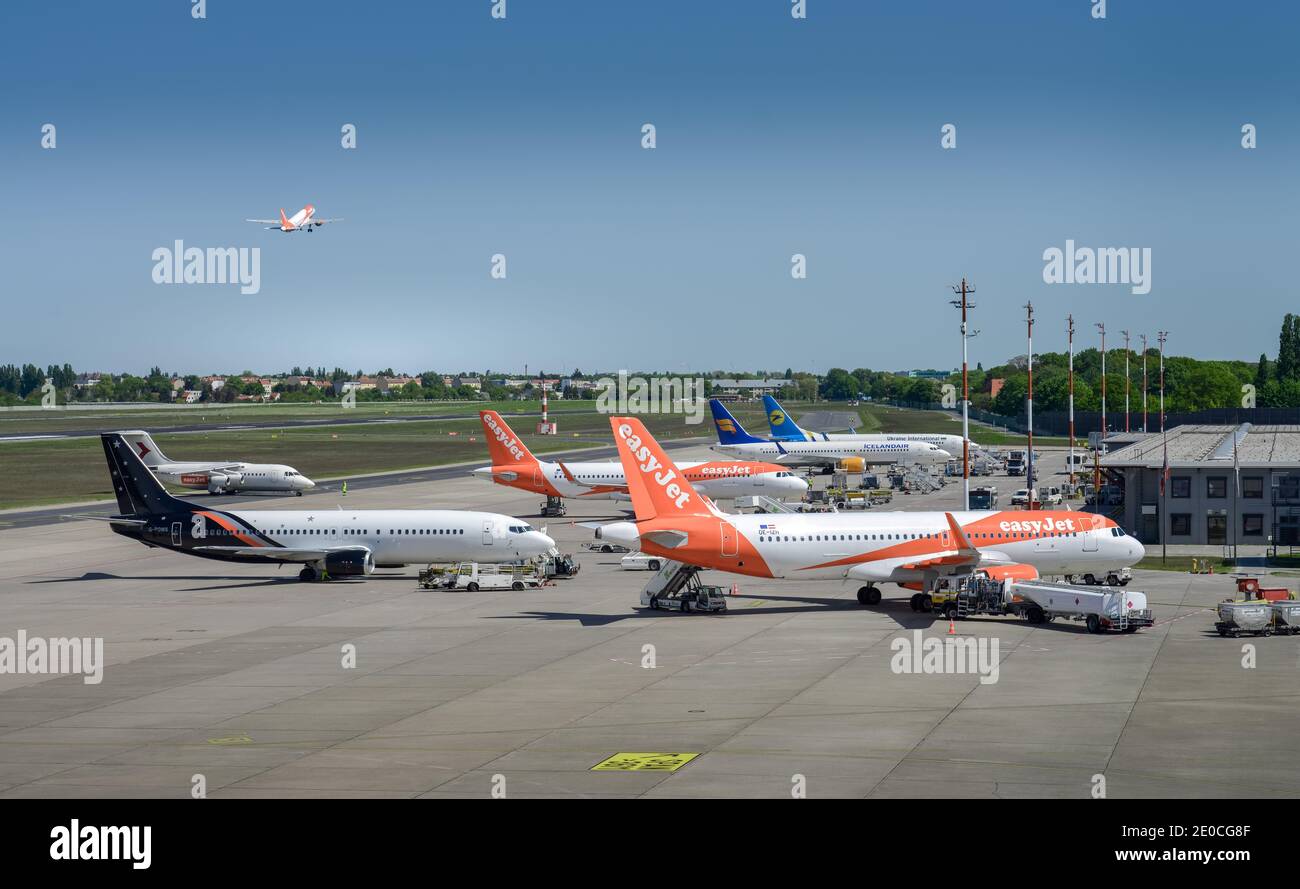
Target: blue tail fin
(784, 428)
(729, 429)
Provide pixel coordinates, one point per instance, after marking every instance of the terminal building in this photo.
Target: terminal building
(1226, 485)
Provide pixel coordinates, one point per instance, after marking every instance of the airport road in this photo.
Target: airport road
(233, 426)
(235, 673)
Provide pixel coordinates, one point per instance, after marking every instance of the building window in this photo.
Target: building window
(1252, 487)
(1288, 489)
(1180, 524)
(1216, 529)
(1216, 487)
(1180, 486)
(1252, 524)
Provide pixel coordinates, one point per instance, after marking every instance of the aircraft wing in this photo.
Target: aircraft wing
(323, 221)
(283, 553)
(274, 222)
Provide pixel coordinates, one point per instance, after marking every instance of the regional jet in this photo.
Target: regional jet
(228, 477)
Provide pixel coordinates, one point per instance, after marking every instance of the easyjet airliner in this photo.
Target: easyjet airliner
(514, 465)
(328, 543)
(911, 549)
(304, 220)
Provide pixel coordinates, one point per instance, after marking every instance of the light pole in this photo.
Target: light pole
(1161, 336)
(1127, 379)
(1069, 333)
(964, 304)
(1102, 327)
(1029, 405)
(1144, 384)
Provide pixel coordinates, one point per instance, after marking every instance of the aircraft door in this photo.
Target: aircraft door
(176, 533)
(729, 542)
(487, 532)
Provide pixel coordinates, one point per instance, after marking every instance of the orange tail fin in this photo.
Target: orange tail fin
(658, 488)
(504, 446)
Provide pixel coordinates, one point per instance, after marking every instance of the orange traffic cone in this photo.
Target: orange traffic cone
(952, 628)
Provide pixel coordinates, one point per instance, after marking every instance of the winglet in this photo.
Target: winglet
(959, 537)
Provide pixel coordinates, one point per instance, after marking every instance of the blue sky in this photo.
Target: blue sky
(522, 137)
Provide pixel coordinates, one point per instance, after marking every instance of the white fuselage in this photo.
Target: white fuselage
(233, 477)
(820, 452)
(881, 545)
(949, 443)
(910, 546)
(394, 536)
(605, 480)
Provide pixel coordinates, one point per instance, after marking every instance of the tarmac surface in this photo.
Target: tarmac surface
(237, 674)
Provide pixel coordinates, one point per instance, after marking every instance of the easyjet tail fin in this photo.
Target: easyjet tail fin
(658, 488)
(504, 447)
(284, 220)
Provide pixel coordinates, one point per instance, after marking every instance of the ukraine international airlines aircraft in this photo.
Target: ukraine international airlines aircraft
(784, 429)
(514, 465)
(853, 455)
(908, 548)
(218, 478)
(304, 220)
(328, 543)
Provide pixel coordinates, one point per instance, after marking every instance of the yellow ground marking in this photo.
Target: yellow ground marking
(644, 762)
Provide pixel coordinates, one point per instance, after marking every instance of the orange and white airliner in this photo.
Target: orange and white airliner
(912, 549)
(514, 465)
(304, 220)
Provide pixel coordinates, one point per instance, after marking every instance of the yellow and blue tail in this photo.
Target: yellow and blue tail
(729, 429)
(784, 428)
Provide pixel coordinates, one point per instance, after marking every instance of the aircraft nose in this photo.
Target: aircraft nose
(796, 485)
(305, 483)
(1140, 551)
(544, 542)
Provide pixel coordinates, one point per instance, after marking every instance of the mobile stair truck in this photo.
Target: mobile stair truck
(1038, 601)
(677, 587)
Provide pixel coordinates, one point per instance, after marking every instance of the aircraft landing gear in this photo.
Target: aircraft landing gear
(868, 595)
(307, 575)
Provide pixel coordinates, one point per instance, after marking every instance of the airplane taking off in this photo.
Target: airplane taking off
(784, 429)
(232, 477)
(514, 465)
(328, 543)
(853, 455)
(304, 220)
(912, 549)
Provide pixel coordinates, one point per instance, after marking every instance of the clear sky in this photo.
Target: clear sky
(523, 137)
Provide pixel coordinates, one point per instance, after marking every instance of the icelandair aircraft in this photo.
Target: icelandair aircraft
(327, 543)
(784, 429)
(912, 549)
(218, 478)
(514, 465)
(853, 456)
(304, 220)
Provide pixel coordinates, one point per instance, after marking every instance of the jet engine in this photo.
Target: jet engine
(852, 464)
(349, 562)
(624, 533)
(1012, 572)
